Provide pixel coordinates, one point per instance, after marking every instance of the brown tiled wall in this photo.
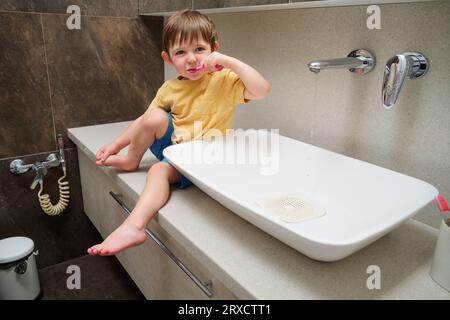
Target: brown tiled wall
(207, 4)
(118, 8)
(146, 6)
(51, 79)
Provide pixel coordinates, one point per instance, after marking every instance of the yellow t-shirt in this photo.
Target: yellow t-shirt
(211, 99)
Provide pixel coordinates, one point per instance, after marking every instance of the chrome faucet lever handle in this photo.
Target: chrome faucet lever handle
(41, 171)
(36, 180)
(409, 65)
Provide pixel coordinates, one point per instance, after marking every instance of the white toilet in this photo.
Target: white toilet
(19, 278)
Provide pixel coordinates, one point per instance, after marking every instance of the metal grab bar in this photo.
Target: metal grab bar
(201, 285)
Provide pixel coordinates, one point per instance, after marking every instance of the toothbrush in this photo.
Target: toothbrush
(217, 66)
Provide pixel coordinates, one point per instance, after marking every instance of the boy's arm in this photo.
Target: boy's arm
(256, 87)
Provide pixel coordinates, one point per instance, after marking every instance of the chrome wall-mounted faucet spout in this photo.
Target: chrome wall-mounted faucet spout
(18, 166)
(409, 64)
(358, 61)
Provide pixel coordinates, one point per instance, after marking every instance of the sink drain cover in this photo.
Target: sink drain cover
(292, 209)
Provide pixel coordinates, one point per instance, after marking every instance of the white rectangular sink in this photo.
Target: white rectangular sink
(323, 204)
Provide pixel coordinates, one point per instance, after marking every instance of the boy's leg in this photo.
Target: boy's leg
(132, 231)
(152, 125)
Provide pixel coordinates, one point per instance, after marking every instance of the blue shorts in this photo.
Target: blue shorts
(160, 144)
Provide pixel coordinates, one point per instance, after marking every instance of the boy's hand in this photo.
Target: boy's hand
(106, 151)
(215, 61)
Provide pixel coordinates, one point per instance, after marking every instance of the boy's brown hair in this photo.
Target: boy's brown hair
(188, 25)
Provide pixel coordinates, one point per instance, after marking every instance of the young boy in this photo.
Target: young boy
(209, 87)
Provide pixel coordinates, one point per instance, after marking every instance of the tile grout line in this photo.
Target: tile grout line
(34, 154)
(66, 14)
(48, 82)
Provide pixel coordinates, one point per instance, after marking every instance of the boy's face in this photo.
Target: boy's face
(187, 58)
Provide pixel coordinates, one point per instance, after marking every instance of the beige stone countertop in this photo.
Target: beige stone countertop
(254, 265)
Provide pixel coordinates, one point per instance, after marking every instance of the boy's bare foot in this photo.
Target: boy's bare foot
(127, 235)
(121, 162)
